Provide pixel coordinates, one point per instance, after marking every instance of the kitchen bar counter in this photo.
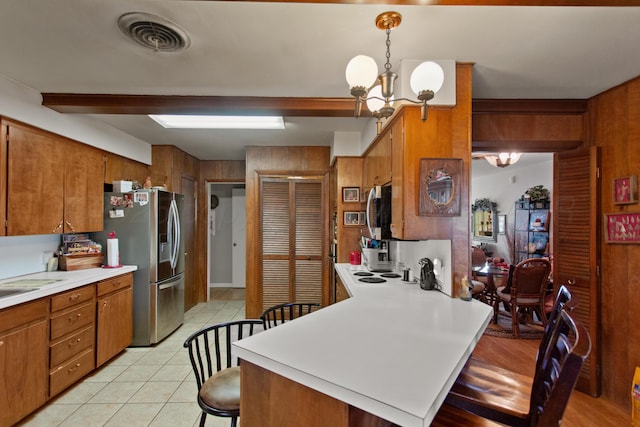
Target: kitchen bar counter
(392, 350)
(51, 282)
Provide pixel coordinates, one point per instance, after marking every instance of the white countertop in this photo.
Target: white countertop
(60, 281)
(392, 349)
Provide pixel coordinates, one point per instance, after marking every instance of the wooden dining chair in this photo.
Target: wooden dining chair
(524, 293)
(281, 313)
(517, 400)
(217, 373)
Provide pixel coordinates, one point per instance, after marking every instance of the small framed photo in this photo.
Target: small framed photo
(502, 224)
(351, 218)
(350, 194)
(363, 218)
(625, 190)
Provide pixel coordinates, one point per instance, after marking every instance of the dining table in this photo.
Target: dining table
(493, 273)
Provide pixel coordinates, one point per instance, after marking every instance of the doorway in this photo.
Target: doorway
(504, 186)
(226, 235)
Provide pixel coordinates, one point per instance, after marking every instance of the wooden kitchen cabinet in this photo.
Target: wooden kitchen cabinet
(114, 317)
(54, 185)
(72, 339)
(23, 360)
(35, 181)
(377, 162)
(83, 188)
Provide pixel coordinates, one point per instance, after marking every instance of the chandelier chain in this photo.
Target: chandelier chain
(387, 65)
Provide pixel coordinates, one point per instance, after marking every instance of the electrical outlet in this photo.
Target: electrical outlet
(45, 257)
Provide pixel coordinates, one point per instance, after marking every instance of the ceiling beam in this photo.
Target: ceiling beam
(607, 3)
(524, 146)
(221, 105)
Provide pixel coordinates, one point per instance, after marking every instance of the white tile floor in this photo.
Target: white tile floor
(152, 386)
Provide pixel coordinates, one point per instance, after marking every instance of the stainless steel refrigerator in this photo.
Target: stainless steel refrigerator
(147, 226)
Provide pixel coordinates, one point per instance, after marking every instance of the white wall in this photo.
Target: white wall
(505, 186)
(23, 254)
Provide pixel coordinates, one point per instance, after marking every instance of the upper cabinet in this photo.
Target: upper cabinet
(377, 162)
(54, 185)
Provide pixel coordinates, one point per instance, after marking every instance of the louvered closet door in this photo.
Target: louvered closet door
(576, 236)
(292, 233)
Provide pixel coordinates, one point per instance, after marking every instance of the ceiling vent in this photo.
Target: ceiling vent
(154, 32)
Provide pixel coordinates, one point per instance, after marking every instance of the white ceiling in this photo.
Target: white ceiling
(300, 50)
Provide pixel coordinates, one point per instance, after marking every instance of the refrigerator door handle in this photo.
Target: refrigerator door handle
(174, 232)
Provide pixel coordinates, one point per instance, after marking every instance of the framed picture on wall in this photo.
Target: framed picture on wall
(363, 218)
(350, 194)
(625, 190)
(351, 218)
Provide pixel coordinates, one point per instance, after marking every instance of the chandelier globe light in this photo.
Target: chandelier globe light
(502, 160)
(367, 85)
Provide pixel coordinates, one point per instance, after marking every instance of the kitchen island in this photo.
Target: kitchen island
(390, 352)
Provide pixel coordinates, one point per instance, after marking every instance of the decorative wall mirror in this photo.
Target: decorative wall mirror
(485, 220)
(440, 187)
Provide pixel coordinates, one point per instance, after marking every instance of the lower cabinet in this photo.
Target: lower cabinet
(23, 360)
(114, 317)
(48, 344)
(72, 323)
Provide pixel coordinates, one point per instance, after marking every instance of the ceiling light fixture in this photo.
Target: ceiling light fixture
(377, 89)
(502, 160)
(219, 122)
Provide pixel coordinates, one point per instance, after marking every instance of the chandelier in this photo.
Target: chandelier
(377, 89)
(502, 160)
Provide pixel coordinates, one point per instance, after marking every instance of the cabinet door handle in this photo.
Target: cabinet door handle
(104, 304)
(58, 228)
(72, 319)
(74, 296)
(74, 343)
(70, 370)
(70, 226)
(1, 343)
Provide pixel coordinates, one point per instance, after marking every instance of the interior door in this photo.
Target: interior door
(238, 246)
(576, 236)
(293, 228)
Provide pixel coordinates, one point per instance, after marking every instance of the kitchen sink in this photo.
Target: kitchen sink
(14, 291)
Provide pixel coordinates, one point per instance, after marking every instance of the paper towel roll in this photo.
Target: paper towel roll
(113, 256)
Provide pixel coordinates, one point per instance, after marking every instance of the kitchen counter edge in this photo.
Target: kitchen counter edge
(65, 280)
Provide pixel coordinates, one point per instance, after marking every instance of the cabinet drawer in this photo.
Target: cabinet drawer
(114, 284)
(71, 298)
(65, 375)
(72, 319)
(70, 346)
(23, 314)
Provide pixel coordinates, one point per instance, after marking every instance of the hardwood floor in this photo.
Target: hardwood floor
(519, 356)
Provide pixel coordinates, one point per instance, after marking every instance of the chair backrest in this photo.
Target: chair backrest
(478, 257)
(530, 278)
(281, 313)
(210, 347)
(561, 302)
(569, 346)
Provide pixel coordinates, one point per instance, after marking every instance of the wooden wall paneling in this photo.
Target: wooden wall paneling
(209, 171)
(3, 178)
(614, 126)
(349, 174)
(298, 160)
